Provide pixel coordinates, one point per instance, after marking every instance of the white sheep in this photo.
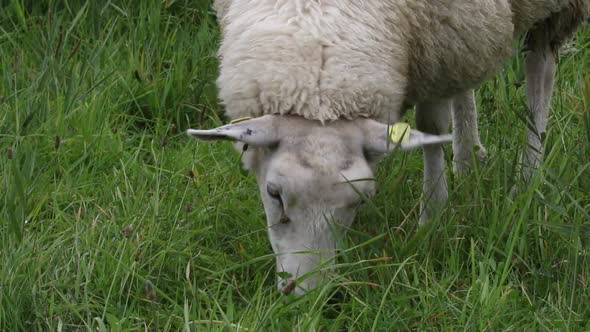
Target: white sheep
(322, 81)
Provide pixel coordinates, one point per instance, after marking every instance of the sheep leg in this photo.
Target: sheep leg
(465, 133)
(433, 118)
(541, 64)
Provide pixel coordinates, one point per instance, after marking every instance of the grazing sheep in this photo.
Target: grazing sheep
(323, 79)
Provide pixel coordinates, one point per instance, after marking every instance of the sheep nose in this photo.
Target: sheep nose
(284, 219)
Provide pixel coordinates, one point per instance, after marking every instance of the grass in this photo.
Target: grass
(112, 219)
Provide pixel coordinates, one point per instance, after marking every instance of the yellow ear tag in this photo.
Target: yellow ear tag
(400, 132)
(240, 119)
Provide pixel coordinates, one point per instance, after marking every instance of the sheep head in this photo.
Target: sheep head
(312, 179)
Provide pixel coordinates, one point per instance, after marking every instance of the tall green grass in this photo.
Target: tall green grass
(111, 219)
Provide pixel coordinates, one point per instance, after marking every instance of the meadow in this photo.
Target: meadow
(112, 219)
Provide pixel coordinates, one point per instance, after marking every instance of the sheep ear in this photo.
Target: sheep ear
(262, 131)
(378, 138)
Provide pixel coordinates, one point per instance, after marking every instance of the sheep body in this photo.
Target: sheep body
(330, 59)
(333, 59)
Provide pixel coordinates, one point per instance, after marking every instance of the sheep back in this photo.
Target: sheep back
(322, 60)
(333, 59)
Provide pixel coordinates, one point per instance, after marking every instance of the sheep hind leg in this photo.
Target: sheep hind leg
(541, 65)
(466, 142)
(433, 118)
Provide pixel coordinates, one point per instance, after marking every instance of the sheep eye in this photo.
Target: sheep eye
(274, 192)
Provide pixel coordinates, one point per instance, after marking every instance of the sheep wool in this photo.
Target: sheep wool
(331, 59)
(559, 25)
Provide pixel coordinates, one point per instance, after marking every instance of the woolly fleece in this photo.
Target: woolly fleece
(331, 59)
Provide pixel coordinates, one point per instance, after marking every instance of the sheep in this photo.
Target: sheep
(320, 83)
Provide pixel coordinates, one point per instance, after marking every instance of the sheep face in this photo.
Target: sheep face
(311, 187)
(312, 179)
